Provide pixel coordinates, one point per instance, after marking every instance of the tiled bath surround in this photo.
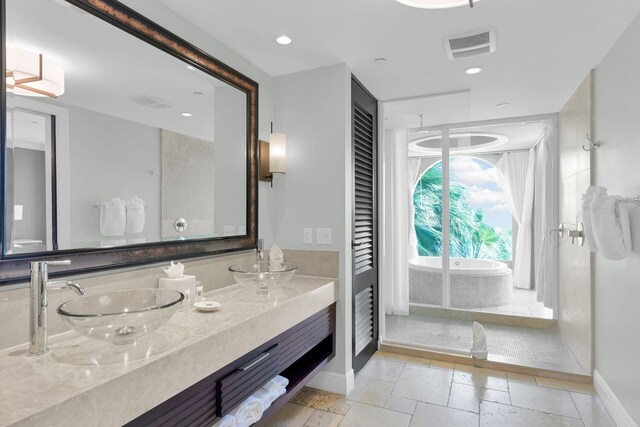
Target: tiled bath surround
(212, 273)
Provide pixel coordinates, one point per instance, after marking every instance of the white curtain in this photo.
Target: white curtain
(395, 224)
(544, 270)
(413, 169)
(518, 173)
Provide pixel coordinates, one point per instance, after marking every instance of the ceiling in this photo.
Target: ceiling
(545, 48)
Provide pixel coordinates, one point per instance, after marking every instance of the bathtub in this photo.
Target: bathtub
(475, 283)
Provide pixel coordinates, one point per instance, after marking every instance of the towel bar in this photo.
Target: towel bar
(97, 205)
(635, 200)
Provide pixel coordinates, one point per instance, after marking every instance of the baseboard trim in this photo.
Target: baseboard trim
(611, 402)
(333, 382)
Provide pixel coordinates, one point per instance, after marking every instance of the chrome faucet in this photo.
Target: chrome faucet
(260, 250)
(38, 303)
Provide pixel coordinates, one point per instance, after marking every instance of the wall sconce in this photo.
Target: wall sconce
(32, 74)
(273, 156)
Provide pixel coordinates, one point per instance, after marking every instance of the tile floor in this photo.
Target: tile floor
(524, 303)
(403, 391)
(538, 348)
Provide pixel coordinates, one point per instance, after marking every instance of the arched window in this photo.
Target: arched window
(480, 219)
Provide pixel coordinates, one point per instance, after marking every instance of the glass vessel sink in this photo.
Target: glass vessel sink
(120, 317)
(261, 274)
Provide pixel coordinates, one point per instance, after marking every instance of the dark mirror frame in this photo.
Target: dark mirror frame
(15, 268)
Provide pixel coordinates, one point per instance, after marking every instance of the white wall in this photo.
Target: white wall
(617, 283)
(313, 109)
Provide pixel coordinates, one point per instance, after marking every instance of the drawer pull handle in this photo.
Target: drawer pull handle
(254, 362)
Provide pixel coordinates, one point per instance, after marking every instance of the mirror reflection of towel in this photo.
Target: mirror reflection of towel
(135, 215)
(113, 218)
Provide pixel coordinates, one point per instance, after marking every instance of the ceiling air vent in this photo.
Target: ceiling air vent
(150, 102)
(472, 44)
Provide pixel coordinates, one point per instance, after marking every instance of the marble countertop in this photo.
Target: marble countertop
(83, 382)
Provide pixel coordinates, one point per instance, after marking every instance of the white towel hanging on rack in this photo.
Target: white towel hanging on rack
(113, 218)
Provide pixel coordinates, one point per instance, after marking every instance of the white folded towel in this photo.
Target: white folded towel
(135, 215)
(267, 397)
(592, 193)
(226, 421)
(113, 217)
(276, 384)
(248, 412)
(276, 258)
(611, 230)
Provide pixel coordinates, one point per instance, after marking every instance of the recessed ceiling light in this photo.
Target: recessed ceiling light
(191, 67)
(380, 60)
(198, 93)
(437, 4)
(283, 40)
(473, 70)
(186, 114)
(504, 105)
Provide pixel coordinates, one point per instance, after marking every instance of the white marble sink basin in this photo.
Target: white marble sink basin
(120, 317)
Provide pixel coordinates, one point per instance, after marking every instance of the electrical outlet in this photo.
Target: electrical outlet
(323, 236)
(229, 230)
(307, 235)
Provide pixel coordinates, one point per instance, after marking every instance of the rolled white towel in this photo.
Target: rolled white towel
(135, 215)
(276, 258)
(276, 384)
(267, 397)
(226, 421)
(113, 217)
(610, 222)
(591, 194)
(248, 412)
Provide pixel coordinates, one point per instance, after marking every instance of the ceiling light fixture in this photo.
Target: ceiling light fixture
(380, 60)
(33, 74)
(437, 4)
(284, 40)
(185, 114)
(473, 70)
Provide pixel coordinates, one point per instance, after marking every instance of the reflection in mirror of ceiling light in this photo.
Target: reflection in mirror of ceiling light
(198, 93)
(185, 114)
(32, 74)
(380, 60)
(504, 105)
(460, 142)
(283, 40)
(437, 4)
(473, 70)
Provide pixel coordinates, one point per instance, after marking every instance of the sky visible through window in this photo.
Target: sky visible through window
(480, 219)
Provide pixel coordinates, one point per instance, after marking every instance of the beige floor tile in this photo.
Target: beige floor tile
(291, 415)
(322, 400)
(382, 369)
(371, 391)
(408, 359)
(592, 410)
(442, 365)
(479, 377)
(467, 397)
(440, 416)
(361, 415)
(424, 384)
(401, 404)
(521, 378)
(565, 385)
(543, 399)
(497, 415)
(324, 419)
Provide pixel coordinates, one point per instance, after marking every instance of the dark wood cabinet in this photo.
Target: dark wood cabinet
(297, 354)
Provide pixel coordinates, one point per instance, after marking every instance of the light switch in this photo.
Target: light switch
(307, 235)
(242, 230)
(323, 236)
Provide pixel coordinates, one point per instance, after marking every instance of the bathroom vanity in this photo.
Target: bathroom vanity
(222, 358)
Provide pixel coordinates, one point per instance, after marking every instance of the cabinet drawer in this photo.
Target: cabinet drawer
(247, 378)
(297, 342)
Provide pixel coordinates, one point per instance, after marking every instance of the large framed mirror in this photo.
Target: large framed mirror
(122, 143)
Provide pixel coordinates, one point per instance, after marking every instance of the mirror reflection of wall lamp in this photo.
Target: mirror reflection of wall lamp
(33, 74)
(273, 156)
